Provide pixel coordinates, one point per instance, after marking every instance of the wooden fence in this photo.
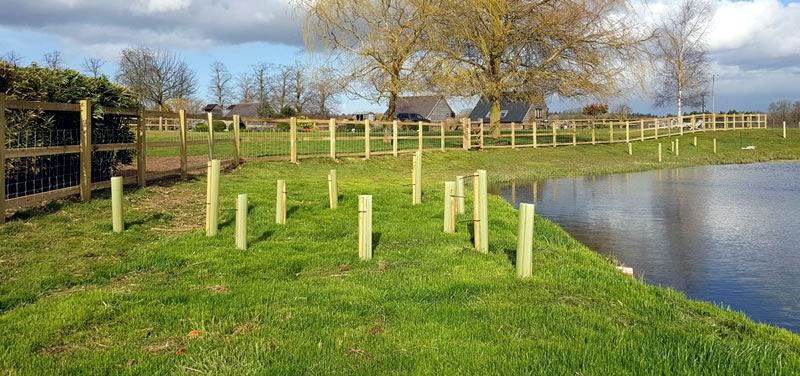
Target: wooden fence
(172, 144)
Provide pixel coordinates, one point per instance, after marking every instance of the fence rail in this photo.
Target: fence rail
(167, 144)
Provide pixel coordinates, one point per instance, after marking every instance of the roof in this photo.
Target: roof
(245, 110)
(516, 111)
(212, 107)
(423, 105)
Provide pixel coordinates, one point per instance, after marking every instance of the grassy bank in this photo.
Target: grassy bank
(162, 297)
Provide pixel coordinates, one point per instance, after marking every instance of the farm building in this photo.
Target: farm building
(511, 111)
(434, 108)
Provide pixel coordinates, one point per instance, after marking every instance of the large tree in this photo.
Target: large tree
(155, 75)
(682, 66)
(219, 87)
(524, 50)
(325, 88)
(380, 41)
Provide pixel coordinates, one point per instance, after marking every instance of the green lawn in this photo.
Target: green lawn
(163, 298)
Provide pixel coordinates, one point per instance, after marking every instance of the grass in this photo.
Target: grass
(163, 298)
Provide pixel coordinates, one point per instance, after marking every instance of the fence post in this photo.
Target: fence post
(365, 227)
(116, 204)
(481, 142)
(184, 135)
(513, 135)
(681, 125)
(419, 135)
(627, 131)
(394, 138)
(280, 203)
(210, 136)
(611, 132)
(525, 241)
(535, 140)
(237, 141)
(725, 121)
(460, 195)
(574, 134)
(332, 132)
(655, 127)
(594, 134)
(555, 141)
(86, 150)
(2, 158)
(449, 207)
(641, 130)
(480, 212)
(333, 190)
(241, 222)
(141, 147)
(293, 140)
(441, 133)
(416, 179)
(366, 139)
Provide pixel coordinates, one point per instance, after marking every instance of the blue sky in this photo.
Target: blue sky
(755, 45)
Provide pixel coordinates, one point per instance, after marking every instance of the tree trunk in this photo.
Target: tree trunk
(494, 117)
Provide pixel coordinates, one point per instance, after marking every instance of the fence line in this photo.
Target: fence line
(168, 144)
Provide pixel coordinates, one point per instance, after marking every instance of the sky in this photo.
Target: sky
(754, 45)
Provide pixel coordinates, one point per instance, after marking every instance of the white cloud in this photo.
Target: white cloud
(159, 6)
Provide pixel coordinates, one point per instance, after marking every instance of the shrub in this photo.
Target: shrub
(219, 126)
(46, 128)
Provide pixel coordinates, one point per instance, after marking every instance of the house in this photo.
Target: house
(214, 109)
(511, 111)
(244, 110)
(432, 107)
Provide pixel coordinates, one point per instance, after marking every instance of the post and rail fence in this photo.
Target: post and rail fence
(39, 166)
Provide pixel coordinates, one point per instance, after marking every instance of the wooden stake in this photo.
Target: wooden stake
(441, 134)
(394, 138)
(280, 203)
(209, 176)
(660, 159)
(594, 134)
(574, 134)
(184, 148)
(611, 132)
(694, 141)
(555, 135)
(416, 178)
(784, 129)
(677, 147)
(630, 149)
(460, 195)
(333, 190)
(525, 241)
(293, 140)
(450, 207)
(213, 195)
(641, 130)
(332, 137)
(241, 222)
(365, 227)
(535, 135)
(480, 212)
(513, 136)
(86, 150)
(627, 131)
(237, 141)
(116, 204)
(419, 136)
(367, 146)
(715, 146)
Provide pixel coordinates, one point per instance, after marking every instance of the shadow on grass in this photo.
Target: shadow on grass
(376, 240)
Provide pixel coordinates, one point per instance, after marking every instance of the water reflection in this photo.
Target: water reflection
(725, 234)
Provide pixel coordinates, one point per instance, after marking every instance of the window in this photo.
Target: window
(539, 113)
(503, 114)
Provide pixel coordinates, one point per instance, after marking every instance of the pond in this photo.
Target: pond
(724, 234)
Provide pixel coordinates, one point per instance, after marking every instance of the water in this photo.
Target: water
(724, 234)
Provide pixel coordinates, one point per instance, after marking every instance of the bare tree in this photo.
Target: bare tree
(12, 57)
(261, 81)
(245, 88)
(155, 75)
(681, 58)
(53, 60)
(281, 84)
(93, 66)
(526, 50)
(300, 90)
(325, 88)
(220, 85)
(379, 40)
